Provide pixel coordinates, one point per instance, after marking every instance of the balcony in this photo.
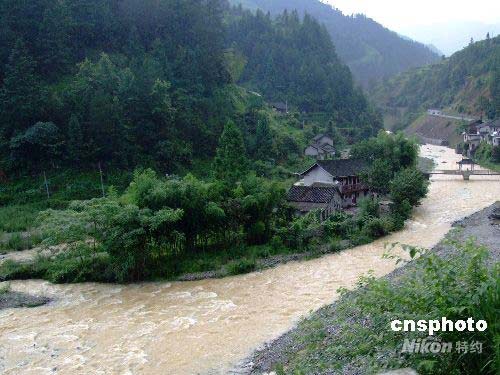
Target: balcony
(347, 189)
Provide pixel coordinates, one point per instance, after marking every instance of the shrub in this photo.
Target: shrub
(376, 227)
(408, 184)
(241, 266)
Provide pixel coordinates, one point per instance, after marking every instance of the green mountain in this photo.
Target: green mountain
(371, 51)
(468, 83)
(153, 83)
(293, 60)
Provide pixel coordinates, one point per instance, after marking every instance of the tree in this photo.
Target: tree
(54, 43)
(43, 140)
(408, 185)
(378, 176)
(20, 93)
(230, 162)
(75, 144)
(263, 140)
(495, 154)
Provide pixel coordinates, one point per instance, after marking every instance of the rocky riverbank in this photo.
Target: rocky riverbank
(484, 226)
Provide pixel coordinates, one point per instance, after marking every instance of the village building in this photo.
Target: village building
(493, 135)
(279, 107)
(479, 131)
(472, 137)
(326, 199)
(434, 112)
(321, 147)
(342, 174)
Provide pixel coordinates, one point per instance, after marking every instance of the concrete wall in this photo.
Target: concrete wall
(317, 174)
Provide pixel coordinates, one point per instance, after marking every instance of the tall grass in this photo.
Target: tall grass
(18, 217)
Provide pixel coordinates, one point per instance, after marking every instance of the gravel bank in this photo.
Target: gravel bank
(484, 226)
(16, 299)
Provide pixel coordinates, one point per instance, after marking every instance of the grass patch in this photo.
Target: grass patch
(19, 217)
(19, 241)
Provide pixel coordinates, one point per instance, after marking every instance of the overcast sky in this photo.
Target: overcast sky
(402, 14)
(448, 24)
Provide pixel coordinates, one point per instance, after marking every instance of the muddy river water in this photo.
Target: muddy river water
(207, 326)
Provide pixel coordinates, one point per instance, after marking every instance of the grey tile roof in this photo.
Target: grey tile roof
(312, 194)
(343, 167)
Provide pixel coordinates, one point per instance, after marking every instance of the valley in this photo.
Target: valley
(241, 187)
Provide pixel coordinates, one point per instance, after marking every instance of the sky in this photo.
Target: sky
(430, 19)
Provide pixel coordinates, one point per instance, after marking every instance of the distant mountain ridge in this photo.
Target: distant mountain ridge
(371, 51)
(467, 82)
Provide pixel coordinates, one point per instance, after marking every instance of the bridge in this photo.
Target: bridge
(466, 168)
(465, 174)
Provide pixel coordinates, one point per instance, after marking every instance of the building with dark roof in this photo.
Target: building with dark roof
(279, 107)
(343, 175)
(326, 199)
(320, 147)
(478, 132)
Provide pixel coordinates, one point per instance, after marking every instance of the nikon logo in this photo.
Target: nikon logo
(426, 346)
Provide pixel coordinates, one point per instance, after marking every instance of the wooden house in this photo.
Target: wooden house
(343, 174)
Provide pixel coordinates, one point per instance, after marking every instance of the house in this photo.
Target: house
(493, 135)
(323, 139)
(343, 174)
(472, 136)
(280, 107)
(435, 112)
(326, 199)
(479, 131)
(321, 147)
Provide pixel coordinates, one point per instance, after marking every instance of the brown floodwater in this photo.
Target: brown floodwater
(207, 326)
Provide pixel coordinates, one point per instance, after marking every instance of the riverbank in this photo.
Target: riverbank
(287, 351)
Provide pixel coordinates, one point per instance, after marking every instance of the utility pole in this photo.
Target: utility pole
(102, 182)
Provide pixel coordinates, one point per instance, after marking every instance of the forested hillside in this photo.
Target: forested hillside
(294, 60)
(370, 50)
(468, 82)
(127, 83)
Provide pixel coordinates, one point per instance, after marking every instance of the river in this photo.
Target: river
(207, 326)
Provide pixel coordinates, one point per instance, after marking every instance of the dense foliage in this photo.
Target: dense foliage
(127, 83)
(300, 67)
(467, 82)
(161, 227)
(147, 231)
(371, 51)
(488, 155)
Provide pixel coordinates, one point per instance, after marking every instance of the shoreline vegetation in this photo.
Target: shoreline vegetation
(352, 335)
(160, 228)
